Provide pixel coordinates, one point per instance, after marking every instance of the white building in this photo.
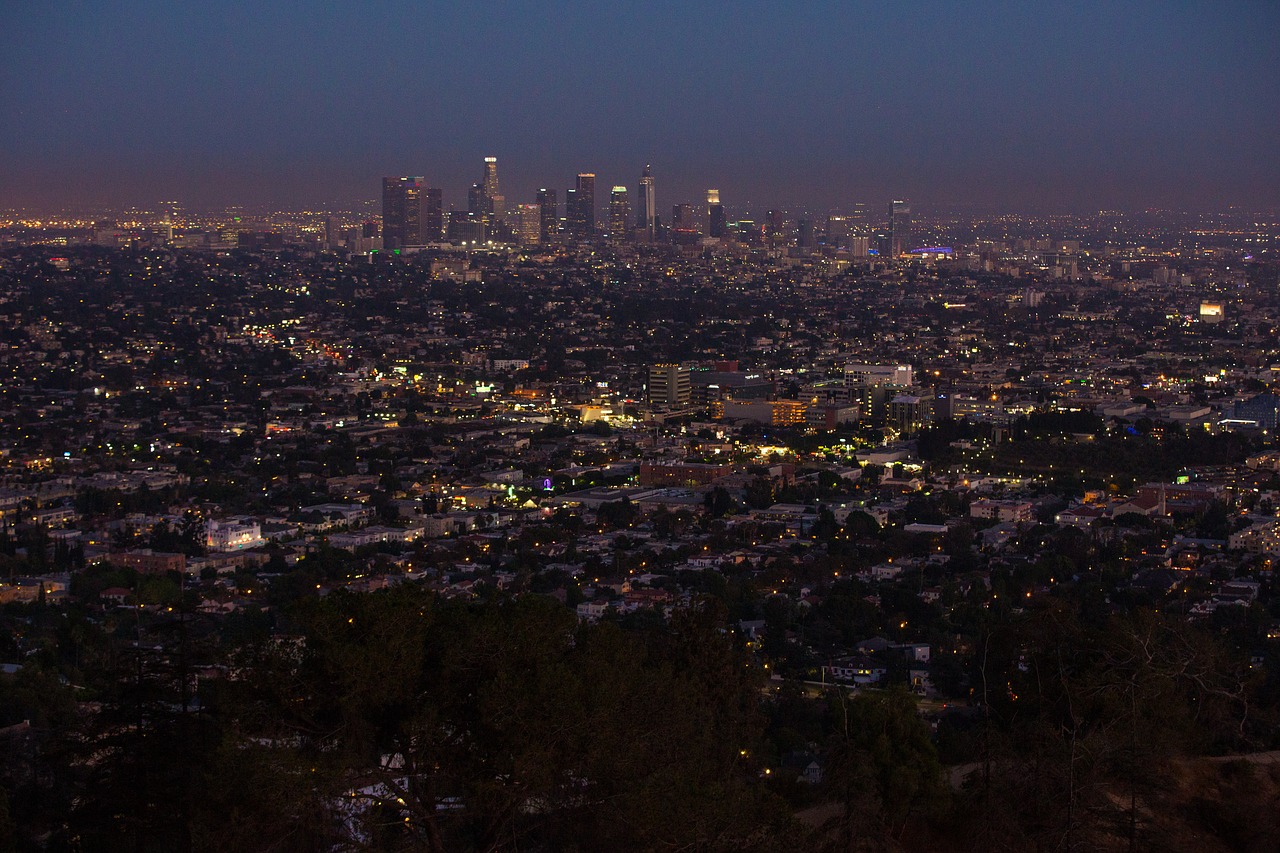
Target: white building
(233, 535)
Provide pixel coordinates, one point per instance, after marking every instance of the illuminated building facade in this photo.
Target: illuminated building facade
(549, 213)
(580, 207)
(670, 385)
(645, 210)
(715, 215)
(619, 214)
(899, 228)
(406, 212)
(528, 224)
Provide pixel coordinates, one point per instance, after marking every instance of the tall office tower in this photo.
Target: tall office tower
(860, 218)
(483, 199)
(805, 236)
(477, 201)
(491, 177)
(550, 221)
(572, 215)
(619, 214)
(466, 229)
(715, 215)
(899, 228)
(404, 212)
(839, 232)
(775, 227)
(580, 208)
(646, 212)
(495, 202)
(433, 215)
(587, 202)
(528, 224)
(684, 224)
(670, 384)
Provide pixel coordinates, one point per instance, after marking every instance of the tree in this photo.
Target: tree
(552, 733)
(882, 768)
(8, 832)
(759, 493)
(860, 525)
(719, 502)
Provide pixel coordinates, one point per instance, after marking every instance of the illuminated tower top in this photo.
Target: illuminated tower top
(491, 177)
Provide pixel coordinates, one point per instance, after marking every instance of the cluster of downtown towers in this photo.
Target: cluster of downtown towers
(413, 215)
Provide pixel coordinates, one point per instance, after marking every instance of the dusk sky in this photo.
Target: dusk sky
(1027, 106)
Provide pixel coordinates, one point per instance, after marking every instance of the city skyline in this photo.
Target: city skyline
(562, 426)
(991, 104)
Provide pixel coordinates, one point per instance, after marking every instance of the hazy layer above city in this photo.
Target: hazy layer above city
(1082, 107)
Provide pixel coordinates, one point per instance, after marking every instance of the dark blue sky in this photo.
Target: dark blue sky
(1025, 105)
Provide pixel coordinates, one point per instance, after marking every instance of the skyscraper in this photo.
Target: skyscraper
(466, 229)
(645, 209)
(477, 201)
(587, 200)
(860, 218)
(433, 215)
(715, 215)
(491, 177)
(839, 231)
(572, 215)
(495, 202)
(805, 236)
(483, 199)
(619, 214)
(405, 212)
(580, 207)
(899, 228)
(685, 227)
(549, 215)
(528, 224)
(775, 227)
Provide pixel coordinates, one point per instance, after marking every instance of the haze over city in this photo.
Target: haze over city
(1035, 107)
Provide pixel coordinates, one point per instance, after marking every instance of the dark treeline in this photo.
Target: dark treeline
(399, 721)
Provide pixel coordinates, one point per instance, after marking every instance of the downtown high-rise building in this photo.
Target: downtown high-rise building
(549, 215)
(775, 227)
(806, 234)
(860, 217)
(646, 211)
(686, 226)
(838, 232)
(477, 203)
(843, 226)
(491, 177)
(716, 224)
(466, 229)
(407, 212)
(527, 224)
(580, 207)
(495, 202)
(484, 200)
(619, 214)
(899, 228)
(433, 215)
